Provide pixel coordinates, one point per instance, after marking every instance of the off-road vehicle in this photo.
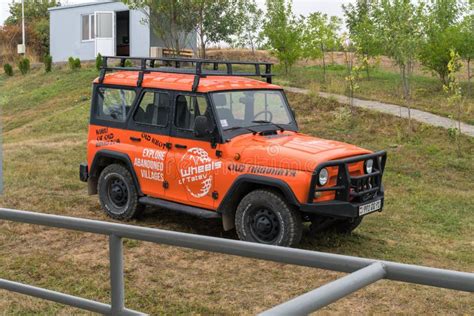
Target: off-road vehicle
(201, 137)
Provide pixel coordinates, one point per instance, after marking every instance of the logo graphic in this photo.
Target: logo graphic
(196, 171)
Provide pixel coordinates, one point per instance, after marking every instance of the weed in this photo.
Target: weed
(98, 62)
(74, 63)
(8, 69)
(48, 61)
(24, 65)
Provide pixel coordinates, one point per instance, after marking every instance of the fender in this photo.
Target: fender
(104, 153)
(261, 180)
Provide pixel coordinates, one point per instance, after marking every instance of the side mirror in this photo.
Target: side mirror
(201, 126)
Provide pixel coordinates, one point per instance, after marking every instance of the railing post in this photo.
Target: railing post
(117, 287)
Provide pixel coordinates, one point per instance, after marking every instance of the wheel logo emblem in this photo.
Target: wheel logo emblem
(196, 171)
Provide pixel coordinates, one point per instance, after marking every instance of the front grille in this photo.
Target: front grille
(352, 185)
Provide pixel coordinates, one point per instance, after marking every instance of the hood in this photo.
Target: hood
(290, 150)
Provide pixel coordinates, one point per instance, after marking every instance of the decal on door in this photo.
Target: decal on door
(196, 170)
(105, 138)
(151, 164)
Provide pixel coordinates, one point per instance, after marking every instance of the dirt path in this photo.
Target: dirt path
(393, 109)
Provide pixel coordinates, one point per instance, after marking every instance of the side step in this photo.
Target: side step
(181, 208)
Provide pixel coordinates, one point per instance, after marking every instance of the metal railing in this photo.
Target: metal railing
(363, 271)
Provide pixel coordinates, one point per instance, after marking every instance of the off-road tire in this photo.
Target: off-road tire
(346, 226)
(122, 183)
(268, 209)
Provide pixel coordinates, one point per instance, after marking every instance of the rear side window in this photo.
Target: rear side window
(153, 109)
(114, 104)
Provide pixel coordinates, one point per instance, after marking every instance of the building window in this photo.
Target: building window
(88, 27)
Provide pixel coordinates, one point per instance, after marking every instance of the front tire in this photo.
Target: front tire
(265, 217)
(118, 195)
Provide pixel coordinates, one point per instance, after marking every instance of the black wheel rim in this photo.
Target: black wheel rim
(117, 192)
(264, 225)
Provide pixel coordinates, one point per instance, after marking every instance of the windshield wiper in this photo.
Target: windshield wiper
(268, 122)
(233, 128)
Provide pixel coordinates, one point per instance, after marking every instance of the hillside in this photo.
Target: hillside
(428, 219)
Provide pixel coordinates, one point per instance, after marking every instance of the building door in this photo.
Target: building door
(105, 33)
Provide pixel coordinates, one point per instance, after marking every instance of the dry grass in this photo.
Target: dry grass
(428, 217)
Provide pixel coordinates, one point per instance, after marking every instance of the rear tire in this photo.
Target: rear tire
(118, 195)
(265, 217)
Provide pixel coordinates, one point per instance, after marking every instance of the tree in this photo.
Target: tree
(170, 20)
(217, 20)
(282, 32)
(362, 30)
(34, 10)
(399, 25)
(251, 25)
(320, 36)
(453, 90)
(36, 22)
(441, 35)
(466, 45)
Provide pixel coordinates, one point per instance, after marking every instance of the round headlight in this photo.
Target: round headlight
(369, 166)
(323, 177)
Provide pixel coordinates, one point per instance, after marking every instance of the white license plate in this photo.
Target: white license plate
(369, 208)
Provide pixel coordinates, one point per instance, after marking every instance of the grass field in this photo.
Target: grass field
(428, 218)
(427, 91)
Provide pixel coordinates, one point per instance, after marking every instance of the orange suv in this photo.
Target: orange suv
(187, 135)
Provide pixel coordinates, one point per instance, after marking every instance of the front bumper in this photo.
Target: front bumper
(338, 209)
(351, 192)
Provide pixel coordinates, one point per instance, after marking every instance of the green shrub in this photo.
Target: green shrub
(98, 62)
(24, 65)
(8, 69)
(48, 62)
(128, 63)
(74, 63)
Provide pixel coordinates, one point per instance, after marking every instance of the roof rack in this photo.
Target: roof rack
(191, 66)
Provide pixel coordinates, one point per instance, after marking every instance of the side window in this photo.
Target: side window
(187, 108)
(153, 109)
(114, 104)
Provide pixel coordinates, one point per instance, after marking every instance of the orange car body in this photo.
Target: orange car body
(203, 173)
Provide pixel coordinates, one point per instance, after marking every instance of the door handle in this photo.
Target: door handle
(180, 146)
(135, 139)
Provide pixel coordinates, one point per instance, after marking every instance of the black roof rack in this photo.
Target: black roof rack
(191, 66)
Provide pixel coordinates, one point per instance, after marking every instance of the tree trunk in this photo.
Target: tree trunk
(324, 65)
(405, 72)
(203, 49)
(367, 67)
(469, 77)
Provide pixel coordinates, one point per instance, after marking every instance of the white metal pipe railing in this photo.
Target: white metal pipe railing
(366, 271)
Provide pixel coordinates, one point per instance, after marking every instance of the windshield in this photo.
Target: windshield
(251, 108)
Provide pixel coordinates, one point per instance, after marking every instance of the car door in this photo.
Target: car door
(149, 135)
(192, 160)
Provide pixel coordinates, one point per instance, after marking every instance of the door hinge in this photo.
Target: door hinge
(166, 185)
(218, 153)
(215, 195)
